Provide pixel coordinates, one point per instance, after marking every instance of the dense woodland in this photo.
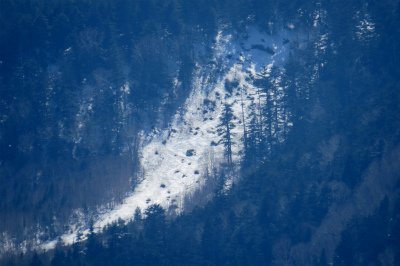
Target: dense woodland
(328, 194)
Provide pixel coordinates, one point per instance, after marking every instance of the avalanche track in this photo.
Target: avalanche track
(175, 160)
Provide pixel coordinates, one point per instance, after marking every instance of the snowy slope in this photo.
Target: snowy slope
(175, 160)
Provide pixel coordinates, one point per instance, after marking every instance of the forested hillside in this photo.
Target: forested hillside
(69, 121)
(81, 80)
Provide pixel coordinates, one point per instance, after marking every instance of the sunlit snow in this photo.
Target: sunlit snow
(174, 160)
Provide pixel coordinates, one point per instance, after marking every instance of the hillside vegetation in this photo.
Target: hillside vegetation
(80, 80)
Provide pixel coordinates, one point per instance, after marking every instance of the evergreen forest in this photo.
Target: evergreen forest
(329, 194)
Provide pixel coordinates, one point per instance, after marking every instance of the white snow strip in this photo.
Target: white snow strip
(173, 160)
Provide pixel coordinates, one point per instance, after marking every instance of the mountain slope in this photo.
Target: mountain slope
(269, 147)
(179, 160)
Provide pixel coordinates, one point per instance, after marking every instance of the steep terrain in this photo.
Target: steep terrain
(178, 161)
(178, 132)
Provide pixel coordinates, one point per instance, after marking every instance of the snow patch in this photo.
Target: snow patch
(174, 160)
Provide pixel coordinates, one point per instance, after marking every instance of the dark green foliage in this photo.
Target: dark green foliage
(65, 122)
(154, 225)
(59, 258)
(225, 131)
(36, 260)
(343, 102)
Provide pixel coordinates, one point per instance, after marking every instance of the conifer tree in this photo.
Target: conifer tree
(225, 130)
(93, 248)
(36, 260)
(254, 137)
(270, 109)
(155, 222)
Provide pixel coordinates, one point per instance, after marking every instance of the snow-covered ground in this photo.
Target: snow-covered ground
(174, 160)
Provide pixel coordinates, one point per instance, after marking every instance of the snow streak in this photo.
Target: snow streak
(175, 160)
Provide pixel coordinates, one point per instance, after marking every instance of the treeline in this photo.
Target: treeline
(327, 195)
(272, 218)
(69, 125)
(334, 72)
(80, 79)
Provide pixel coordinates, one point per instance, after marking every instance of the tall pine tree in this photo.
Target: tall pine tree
(225, 130)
